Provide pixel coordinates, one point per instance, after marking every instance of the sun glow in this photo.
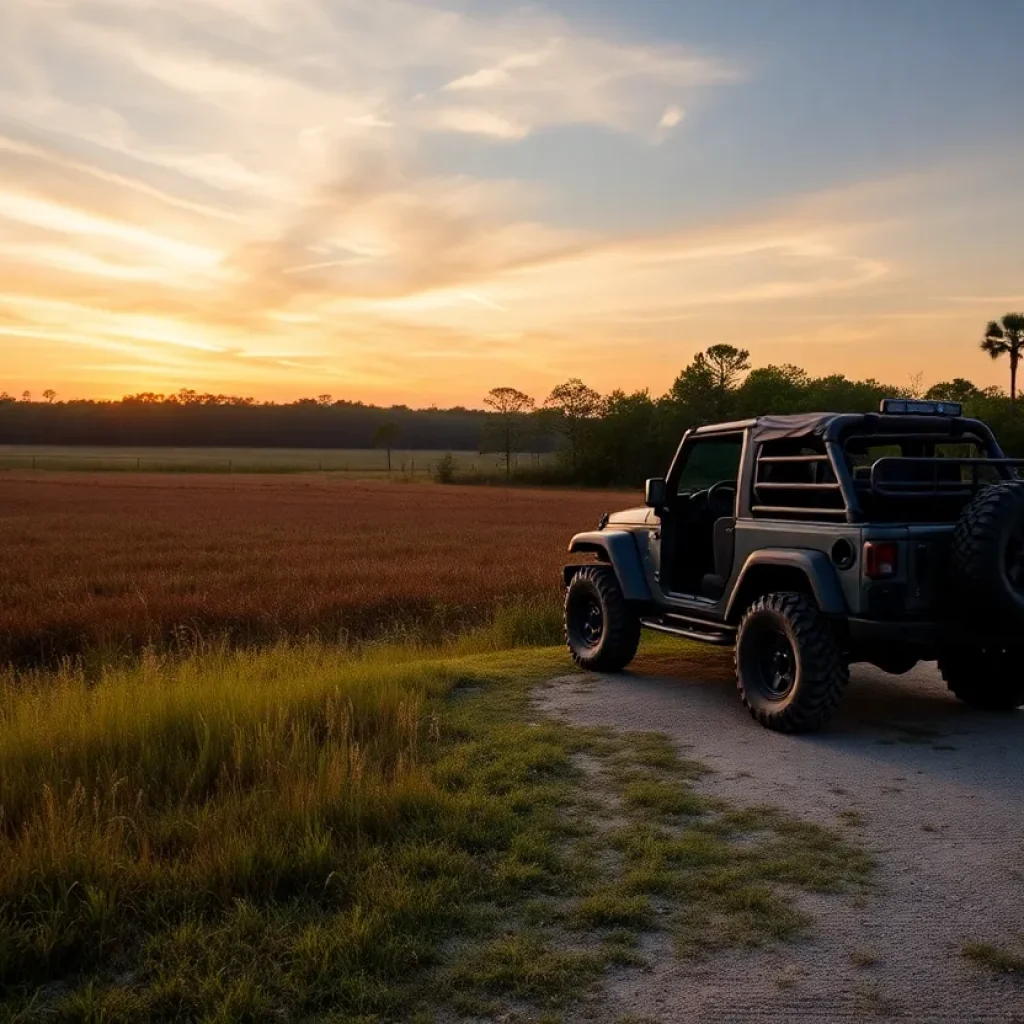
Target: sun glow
(355, 196)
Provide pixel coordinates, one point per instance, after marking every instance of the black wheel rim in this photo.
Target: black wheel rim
(1015, 560)
(771, 661)
(586, 620)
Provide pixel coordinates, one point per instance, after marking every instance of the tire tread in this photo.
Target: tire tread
(622, 624)
(975, 546)
(821, 664)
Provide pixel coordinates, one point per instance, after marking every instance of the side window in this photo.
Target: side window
(708, 461)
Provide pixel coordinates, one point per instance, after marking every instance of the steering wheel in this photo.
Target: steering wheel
(716, 496)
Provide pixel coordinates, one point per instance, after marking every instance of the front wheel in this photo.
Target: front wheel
(790, 671)
(984, 677)
(602, 631)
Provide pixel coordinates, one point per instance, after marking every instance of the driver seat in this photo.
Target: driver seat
(723, 540)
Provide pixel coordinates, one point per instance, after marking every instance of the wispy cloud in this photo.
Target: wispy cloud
(264, 192)
(474, 121)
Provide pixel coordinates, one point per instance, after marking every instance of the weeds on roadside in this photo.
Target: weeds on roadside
(371, 834)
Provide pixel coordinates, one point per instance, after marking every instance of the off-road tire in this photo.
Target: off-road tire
(821, 673)
(986, 678)
(980, 585)
(620, 626)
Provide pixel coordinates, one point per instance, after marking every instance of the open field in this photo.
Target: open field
(357, 462)
(102, 565)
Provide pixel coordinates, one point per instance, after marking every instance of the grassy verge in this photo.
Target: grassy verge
(358, 836)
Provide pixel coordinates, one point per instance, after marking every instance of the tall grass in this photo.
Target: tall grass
(356, 835)
(159, 806)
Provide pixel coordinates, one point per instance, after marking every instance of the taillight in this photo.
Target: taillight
(881, 559)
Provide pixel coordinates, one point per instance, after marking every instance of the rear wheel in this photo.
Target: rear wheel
(789, 669)
(987, 556)
(602, 631)
(984, 677)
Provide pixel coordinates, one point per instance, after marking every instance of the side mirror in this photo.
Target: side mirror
(654, 492)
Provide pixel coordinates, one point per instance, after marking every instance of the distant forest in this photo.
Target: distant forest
(189, 419)
(619, 438)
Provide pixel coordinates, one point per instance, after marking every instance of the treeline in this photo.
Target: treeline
(623, 438)
(615, 439)
(188, 419)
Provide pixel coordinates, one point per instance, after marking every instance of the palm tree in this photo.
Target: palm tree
(1005, 337)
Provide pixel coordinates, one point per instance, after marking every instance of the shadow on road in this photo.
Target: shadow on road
(910, 722)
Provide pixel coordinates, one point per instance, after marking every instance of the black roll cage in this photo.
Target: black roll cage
(884, 479)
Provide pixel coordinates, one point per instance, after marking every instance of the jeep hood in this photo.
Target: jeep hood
(629, 517)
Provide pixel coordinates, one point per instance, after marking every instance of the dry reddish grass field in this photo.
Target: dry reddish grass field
(110, 563)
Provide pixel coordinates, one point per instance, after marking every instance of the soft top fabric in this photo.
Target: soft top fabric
(779, 428)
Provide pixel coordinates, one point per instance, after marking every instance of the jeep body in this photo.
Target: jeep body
(854, 511)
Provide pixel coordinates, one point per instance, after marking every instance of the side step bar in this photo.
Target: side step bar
(692, 629)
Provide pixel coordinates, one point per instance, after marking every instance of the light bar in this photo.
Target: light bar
(913, 407)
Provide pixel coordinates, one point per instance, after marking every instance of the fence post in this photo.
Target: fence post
(138, 463)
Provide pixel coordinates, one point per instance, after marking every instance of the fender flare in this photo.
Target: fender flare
(815, 565)
(619, 549)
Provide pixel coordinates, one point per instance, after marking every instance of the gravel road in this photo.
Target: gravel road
(937, 794)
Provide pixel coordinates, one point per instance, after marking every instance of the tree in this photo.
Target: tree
(956, 390)
(509, 422)
(49, 394)
(772, 389)
(323, 399)
(26, 396)
(625, 444)
(385, 436)
(726, 363)
(836, 393)
(706, 388)
(574, 405)
(694, 392)
(1005, 337)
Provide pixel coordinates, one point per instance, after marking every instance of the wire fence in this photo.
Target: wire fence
(359, 465)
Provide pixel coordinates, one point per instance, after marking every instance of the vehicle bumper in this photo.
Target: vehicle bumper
(925, 637)
(915, 633)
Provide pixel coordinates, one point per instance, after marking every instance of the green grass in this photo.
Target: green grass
(310, 832)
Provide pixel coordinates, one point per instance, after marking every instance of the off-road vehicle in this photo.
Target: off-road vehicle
(812, 541)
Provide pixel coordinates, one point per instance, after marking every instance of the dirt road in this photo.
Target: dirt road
(933, 790)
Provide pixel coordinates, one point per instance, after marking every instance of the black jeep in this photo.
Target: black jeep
(812, 541)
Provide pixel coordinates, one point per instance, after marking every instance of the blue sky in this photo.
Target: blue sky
(406, 201)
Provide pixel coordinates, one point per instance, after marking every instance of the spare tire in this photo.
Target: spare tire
(987, 555)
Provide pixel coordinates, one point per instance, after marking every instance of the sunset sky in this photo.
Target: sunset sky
(414, 202)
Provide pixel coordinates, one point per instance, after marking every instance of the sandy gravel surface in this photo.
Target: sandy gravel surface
(936, 793)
